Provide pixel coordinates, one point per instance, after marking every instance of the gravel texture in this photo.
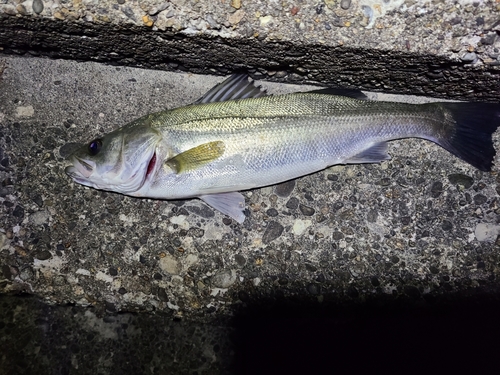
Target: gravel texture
(421, 227)
(438, 48)
(423, 220)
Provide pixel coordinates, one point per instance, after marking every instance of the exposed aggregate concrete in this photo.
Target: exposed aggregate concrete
(437, 48)
(421, 224)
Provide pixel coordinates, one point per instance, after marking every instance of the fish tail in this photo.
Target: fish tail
(470, 138)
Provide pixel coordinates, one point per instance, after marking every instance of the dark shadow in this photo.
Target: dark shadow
(450, 334)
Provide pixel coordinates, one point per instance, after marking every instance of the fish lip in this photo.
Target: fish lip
(73, 172)
(79, 169)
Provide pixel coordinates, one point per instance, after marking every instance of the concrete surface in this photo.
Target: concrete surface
(433, 47)
(420, 228)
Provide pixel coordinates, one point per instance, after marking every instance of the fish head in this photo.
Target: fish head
(121, 161)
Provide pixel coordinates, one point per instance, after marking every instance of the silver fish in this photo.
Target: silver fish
(237, 138)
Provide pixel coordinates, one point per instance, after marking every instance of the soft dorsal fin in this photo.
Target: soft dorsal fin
(196, 157)
(237, 86)
(351, 93)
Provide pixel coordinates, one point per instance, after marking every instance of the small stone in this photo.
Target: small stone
(489, 39)
(122, 291)
(37, 6)
(240, 260)
(236, 17)
(266, 20)
(372, 216)
(43, 255)
(272, 212)
(436, 189)
(337, 236)
(272, 232)
(292, 203)
(121, 2)
(307, 211)
(202, 211)
(461, 179)
(9, 9)
(345, 4)
(59, 16)
(224, 279)
(147, 20)
(170, 264)
(480, 199)
(18, 212)
(469, 57)
(300, 226)
(236, 4)
(447, 225)
(285, 189)
(211, 21)
(158, 8)
(196, 232)
(487, 232)
(21, 9)
(331, 4)
(113, 271)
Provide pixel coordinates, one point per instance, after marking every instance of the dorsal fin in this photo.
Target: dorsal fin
(237, 86)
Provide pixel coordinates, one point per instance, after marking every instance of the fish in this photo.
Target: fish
(237, 137)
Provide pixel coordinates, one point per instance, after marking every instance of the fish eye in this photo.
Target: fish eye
(95, 146)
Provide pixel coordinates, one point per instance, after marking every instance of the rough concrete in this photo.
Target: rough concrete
(418, 229)
(438, 48)
(424, 223)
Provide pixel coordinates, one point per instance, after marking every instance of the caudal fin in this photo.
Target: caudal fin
(471, 138)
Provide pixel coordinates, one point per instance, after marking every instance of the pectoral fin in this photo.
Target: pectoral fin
(196, 157)
(231, 204)
(375, 154)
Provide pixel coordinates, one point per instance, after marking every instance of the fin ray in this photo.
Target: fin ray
(231, 204)
(470, 138)
(237, 86)
(196, 157)
(374, 154)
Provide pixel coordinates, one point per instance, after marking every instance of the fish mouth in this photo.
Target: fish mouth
(80, 170)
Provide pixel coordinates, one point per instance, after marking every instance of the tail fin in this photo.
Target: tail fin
(471, 138)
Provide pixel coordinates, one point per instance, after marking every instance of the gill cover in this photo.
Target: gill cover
(119, 161)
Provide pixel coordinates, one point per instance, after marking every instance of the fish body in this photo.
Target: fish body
(213, 149)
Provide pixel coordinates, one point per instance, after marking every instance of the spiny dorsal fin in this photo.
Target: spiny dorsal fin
(196, 157)
(237, 86)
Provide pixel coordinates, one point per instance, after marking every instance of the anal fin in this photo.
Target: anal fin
(374, 154)
(231, 204)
